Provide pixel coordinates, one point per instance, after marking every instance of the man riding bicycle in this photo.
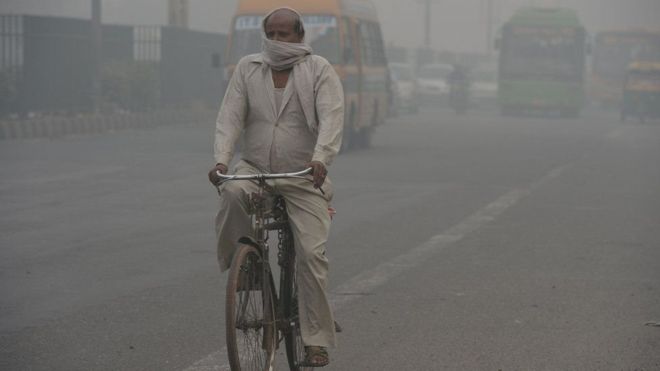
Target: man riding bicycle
(289, 105)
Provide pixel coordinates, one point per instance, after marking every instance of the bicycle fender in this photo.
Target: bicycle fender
(249, 241)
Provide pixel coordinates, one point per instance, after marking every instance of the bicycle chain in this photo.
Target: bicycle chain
(281, 259)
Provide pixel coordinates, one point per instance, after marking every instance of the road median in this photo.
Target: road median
(58, 126)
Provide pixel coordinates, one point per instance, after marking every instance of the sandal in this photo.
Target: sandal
(315, 356)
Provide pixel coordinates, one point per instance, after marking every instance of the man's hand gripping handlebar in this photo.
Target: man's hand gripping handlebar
(217, 177)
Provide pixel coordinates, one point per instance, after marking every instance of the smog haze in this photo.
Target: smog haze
(401, 20)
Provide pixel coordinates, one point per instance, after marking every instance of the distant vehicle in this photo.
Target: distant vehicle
(542, 62)
(404, 87)
(613, 51)
(459, 89)
(432, 82)
(484, 85)
(347, 33)
(641, 91)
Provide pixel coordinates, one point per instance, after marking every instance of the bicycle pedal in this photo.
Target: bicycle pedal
(338, 328)
(275, 226)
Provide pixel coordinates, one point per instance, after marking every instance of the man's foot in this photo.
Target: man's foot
(338, 328)
(315, 356)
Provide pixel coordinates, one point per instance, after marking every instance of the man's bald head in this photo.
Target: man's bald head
(284, 24)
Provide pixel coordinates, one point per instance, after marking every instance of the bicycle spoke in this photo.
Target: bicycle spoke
(248, 324)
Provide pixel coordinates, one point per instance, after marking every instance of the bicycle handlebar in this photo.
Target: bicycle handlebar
(299, 174)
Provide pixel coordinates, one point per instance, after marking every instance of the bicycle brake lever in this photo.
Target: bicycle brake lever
(311, 181)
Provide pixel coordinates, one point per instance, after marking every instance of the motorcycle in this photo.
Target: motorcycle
(459, 96)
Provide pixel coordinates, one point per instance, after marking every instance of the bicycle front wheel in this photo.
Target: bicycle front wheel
(249, 313)
(295, 349)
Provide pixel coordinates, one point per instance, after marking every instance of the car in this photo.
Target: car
(432, 82)
(404, 87)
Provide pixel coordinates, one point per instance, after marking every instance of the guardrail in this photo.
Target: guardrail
(56, 126)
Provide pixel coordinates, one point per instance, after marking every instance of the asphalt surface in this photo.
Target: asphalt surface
(472, 242)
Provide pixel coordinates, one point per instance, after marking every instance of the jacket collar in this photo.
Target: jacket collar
(257, 58)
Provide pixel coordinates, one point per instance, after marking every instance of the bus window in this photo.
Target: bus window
(349, 51)
(381, 59)
(371, 44)
(321, 33)
(615, 50)
(543, 52)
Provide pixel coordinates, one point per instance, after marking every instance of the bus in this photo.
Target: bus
(345, 32)
(613, 52)
(542, 57)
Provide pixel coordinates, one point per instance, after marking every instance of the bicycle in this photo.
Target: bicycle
(257, 318)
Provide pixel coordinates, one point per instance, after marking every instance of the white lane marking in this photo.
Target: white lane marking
(615, 133)
(368, 281)
(73, 176)
(212, 362)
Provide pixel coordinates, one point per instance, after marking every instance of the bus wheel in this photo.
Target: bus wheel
(364, 135)
(644, 109)
(349, 136)
(506, 111)
(364, 138)
(642, 118)
(347, 139)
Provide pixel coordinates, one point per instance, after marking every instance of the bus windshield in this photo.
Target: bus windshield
(613, 53)
(543, 52)
(321, 33)
(649, 78)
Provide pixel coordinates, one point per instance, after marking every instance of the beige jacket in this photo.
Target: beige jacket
(279, 140)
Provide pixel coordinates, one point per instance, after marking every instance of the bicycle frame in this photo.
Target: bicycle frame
(268, 213)
(258, 207)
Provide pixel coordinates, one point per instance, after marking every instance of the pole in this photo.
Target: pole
(427, 24)
(97, 42)
(489, 26)
(178, 13)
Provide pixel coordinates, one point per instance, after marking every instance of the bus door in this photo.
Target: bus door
(353, 72)
(361, 37)
(374, 75)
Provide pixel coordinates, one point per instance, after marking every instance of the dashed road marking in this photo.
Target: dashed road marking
(368, 281)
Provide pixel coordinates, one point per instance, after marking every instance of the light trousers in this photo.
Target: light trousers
(308, 214)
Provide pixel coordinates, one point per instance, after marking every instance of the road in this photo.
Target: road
(461, 243)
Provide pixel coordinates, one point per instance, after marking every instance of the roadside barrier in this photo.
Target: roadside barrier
(55, 126)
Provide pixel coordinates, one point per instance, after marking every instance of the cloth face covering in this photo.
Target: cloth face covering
(281, 56)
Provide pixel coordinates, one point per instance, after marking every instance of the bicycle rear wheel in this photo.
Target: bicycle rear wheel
(295, 349)
(249, 313)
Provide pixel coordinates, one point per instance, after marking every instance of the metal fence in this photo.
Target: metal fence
(46, 66)
(183, 52)
(11, 60)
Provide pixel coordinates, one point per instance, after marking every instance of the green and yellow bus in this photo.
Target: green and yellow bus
(345, 32)
(613, 52)
(542, 62)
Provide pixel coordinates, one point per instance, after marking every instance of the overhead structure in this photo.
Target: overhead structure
(97, 46)
(178, 13)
